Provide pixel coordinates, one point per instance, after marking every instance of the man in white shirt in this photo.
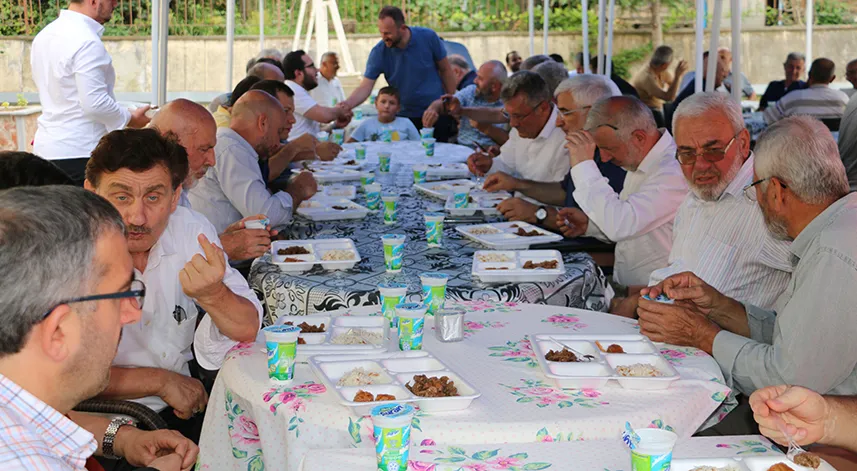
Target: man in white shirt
(75, 78)
(536, 146)
(176, 253)
(194, 128)
(235, 188)
(817, 99)
(639, 219)
(329, 90)
(301, 78)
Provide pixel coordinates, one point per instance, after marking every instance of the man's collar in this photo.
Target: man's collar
(165, 246)
(818, 224)
(296, 84)
(550, 125)
(661, 150)
(742, 179)
(90, 23)
(819, 85)
(230, 133)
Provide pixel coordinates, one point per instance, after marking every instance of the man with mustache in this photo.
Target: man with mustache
(718, 233)
(176, 252)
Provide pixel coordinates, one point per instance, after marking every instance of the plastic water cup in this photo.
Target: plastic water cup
(322, 136)
(428, 144)
(412, 319)
(281, 342)
(391, 209)
(384, 162)
(434, 290)
(257, 223)
(394, 252)
(420, 173)
(367, 179)
(358, 114)
(655, 450)
(392, 431)
(392, 294)
(373, 196)
(360, 152)
(427, 133)
(434, 229)
(460, 198)
(338, 136)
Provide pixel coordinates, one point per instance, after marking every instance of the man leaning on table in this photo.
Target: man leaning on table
(807, 339)
(58, 341)
(718, 233)
(574, 97)
(176, 254)
(74, 75)
(535, 149)
(234, 188)
(639, 219)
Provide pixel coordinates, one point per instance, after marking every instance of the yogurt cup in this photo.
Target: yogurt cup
(655, 450)
(420, 173)
(427, 133)
(373, 196)
(384, 162)
(392, 294)
(360, 152)
(434, 290)
(367, 179)
(392, 431)
(358, 114)
(338, 136)
(257, 223)
(391, 208)
(428, 145)
(394, 251)
(434, 229)
(322, 136)
(412, 319)
(281, 342)
(460, 198)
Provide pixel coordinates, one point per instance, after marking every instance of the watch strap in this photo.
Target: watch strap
(110, 436)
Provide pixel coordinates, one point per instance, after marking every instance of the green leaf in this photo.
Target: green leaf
(228, 396)
(525, 399)
(484, 455)
(416, 424)
(498, 349)
(457, 451)
(240, 454)
(564, 404)
(542, 433)
(451, 459)
(536, 466)
(521, 456)
(354, 430)
(256, 464)
(292, 427)
(519, 359)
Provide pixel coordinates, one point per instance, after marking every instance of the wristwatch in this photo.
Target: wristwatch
(110, 436)
(541, 214)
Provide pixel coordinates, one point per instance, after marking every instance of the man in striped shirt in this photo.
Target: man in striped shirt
(61, 319)
(817, 100)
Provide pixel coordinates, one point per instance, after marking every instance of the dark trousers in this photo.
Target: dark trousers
(738, 422)
(444, 129)
(74, 168)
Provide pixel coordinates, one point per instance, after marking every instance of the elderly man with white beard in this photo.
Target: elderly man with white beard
(719, 234)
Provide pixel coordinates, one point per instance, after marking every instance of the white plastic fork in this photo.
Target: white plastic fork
(581, 357)
(794, 448)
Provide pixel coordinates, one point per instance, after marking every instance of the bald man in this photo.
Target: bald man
(234, 187)
(196, 131)
(266, 71)
(484, 93)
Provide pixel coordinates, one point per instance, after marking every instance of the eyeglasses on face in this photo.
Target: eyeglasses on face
(518, 117)
(750, 190)
(576, 110)
(688, 157)
(137, 291)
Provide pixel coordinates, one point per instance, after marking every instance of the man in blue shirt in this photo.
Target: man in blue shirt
(413, 60)
(793, 68)
(485, 93)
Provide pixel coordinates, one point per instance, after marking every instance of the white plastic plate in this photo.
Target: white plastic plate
(443, 189)
(441, 171)
(337, 191)
(319, 343)
(509, 266)
(595, 374)
(317, 248)
(486, 203)
(503, 235)
(332, 174)
(344, 160)
(331, 209)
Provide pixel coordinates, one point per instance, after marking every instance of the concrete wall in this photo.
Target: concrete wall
(198, 64)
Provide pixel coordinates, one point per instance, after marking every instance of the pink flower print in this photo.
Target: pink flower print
(420, 466)
(561, 319)
(269, 395)
(297, 405)
(273, 408)
(245, 431)
(539, 391)
(473, 325)
(476, 467)
(548, 400)
(722, 445)
(526, 346)
(590, 393)
(504, 463)
(515, 353)
(427, 442)
(547, 438)
(287, 396)
(673, 353)
(315, 388)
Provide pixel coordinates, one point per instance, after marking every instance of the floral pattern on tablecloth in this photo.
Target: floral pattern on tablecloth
(541, 395)
(482, 460)
(566, 321)
(749, 447)
(520, 351)
(676, 355)
(244, 435)
(294, 399)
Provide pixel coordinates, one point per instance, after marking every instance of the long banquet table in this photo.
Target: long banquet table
(251, 422)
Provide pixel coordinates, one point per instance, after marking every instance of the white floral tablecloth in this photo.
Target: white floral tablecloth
(251, 424)
(558, 454)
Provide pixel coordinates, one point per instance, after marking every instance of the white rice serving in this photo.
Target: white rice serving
(338, 254)
(490, 257)
(715, 468)
(358, 337)
(639, 369)
(358, 377)
(484, 230)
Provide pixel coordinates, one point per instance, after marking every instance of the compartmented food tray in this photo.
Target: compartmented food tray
(337, 191)
(506, 235)
(480, 201)
(749, 463)
(641, 362)
(496, 266)
(442, 171)
(391, 376)
(331, 209)
(322, 343)
(332, 254)
(342, 161)
(332, 174)
(444, 189)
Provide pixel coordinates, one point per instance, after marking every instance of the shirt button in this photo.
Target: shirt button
(164, 354)
(147, 323)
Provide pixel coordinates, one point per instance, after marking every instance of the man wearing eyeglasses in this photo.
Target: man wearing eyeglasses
(309, 115)
(57, 342)
(808, 338)
(718, 233)
(535, 149)
(176, 253)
